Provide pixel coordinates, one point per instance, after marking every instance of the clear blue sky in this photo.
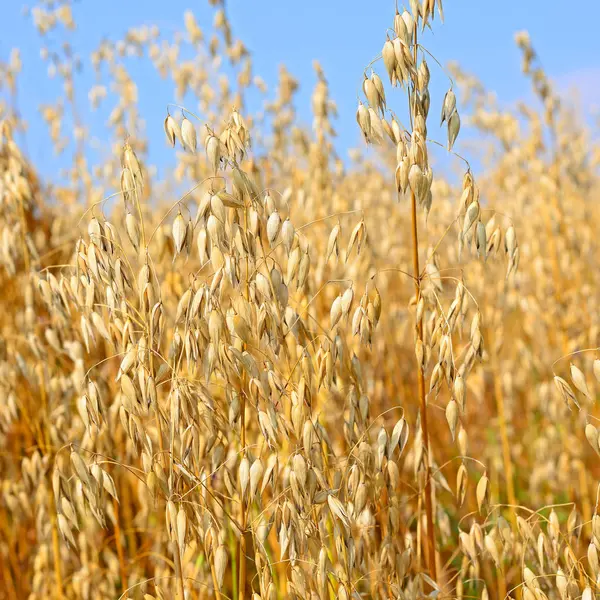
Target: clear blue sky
(343, 35)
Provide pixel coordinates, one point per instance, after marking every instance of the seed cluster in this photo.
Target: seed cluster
(298, 378)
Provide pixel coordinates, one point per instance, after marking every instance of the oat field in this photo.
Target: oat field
(277, 373)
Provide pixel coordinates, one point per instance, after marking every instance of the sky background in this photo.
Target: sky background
(343, 35)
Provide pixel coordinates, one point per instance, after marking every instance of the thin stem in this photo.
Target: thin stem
(422, 399)
(574, 354)
(421, 376)
(244, 508)
(119, 542)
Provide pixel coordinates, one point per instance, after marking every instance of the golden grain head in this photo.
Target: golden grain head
(274, 374)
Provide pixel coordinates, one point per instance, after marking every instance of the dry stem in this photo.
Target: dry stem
(422, 399)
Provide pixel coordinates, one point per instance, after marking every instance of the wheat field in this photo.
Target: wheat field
(276, 373)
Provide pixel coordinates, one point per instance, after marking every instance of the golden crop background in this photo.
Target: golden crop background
(249, 389)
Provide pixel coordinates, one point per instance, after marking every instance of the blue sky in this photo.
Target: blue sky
(343, 35)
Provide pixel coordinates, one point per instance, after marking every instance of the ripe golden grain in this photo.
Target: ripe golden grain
(200, 399)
